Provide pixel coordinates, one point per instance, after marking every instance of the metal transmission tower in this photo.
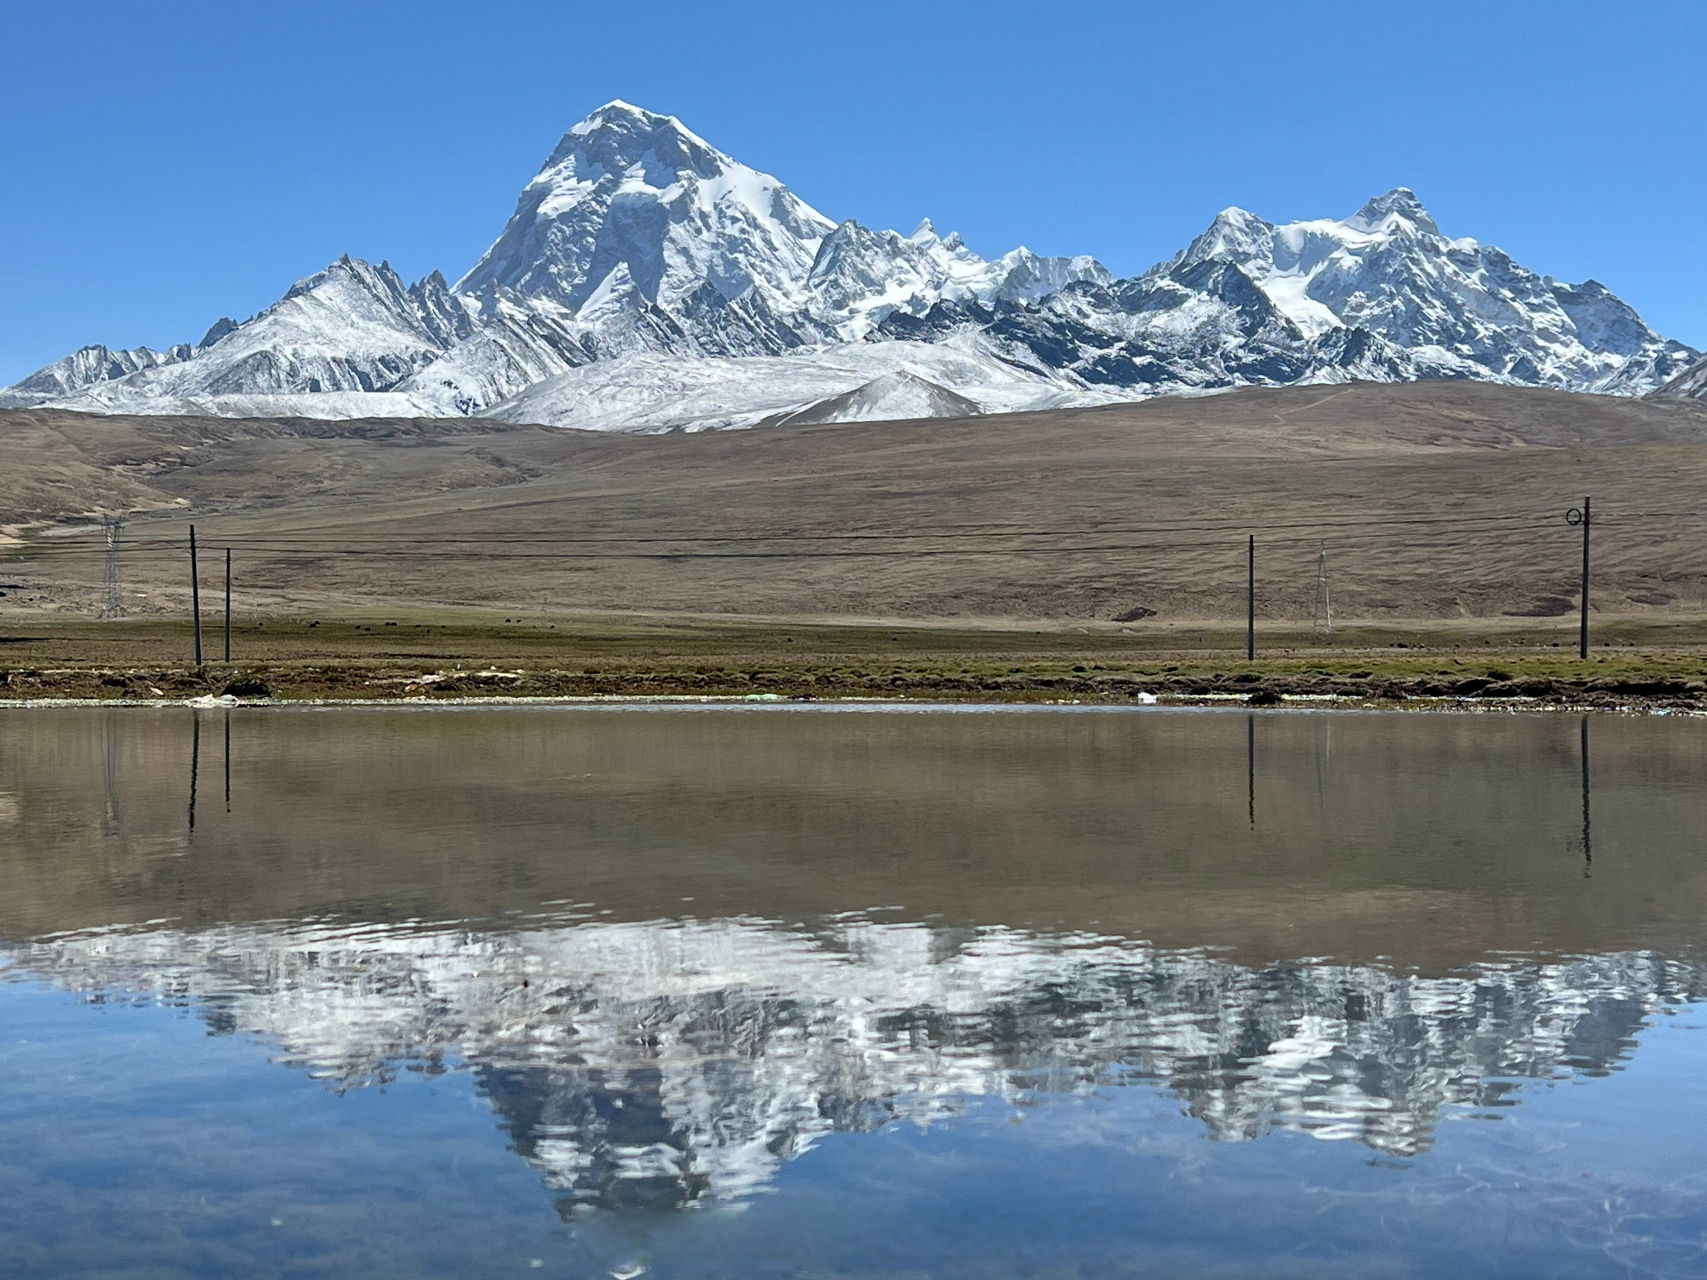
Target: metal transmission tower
(112, 602)
(1322, 629)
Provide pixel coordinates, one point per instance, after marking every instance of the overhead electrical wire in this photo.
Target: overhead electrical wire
(1397, 532)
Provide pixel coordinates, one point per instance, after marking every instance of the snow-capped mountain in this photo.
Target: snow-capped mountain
(349, 330)
(632, 210)
(640, 244)
(861, 276)
(1381, 295)
(94, 364)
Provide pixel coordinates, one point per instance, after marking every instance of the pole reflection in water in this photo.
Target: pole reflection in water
(1324, 757)
(1582, 754)
(111, 824)
(1251, 768)
(195, 763)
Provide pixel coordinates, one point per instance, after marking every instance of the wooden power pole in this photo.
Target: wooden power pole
(1251, 599)
(195, 595)
(1582, 638)
(1580, 515)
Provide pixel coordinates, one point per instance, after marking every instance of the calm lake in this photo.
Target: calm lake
(743, 991)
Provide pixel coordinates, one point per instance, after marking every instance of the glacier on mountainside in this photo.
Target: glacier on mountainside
(641, 246)
(350, 328)
(329, 406)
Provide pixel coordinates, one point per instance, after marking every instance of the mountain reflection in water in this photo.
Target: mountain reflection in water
(680, 949)
(655, 1063)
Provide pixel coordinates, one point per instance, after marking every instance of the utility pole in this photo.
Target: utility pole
(1582, 639)
(195, 601)
(228, 606)
(1251, 599)
(1580, 515)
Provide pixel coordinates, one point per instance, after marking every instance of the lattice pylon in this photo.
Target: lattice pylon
(1322, 629)
(112, 602)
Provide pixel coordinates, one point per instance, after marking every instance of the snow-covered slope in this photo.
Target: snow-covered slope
(515, 344)
(641, 244)
(852, 381)
(890, 397)
(1690, 384)
(1389, 270)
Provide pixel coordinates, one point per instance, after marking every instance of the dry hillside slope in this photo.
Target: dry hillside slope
(1433, 500)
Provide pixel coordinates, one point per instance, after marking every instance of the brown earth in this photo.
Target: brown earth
(1440, 502)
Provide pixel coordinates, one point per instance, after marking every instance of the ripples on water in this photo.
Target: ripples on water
(675, 952)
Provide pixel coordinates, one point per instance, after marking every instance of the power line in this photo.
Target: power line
(500, 548)
(1397, 533)
(992, 529)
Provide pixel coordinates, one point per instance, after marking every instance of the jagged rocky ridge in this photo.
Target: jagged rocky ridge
(662, 1063)
(639, 247)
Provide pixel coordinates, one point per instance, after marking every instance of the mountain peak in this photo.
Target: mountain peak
(1400, 202)
(217, 330)
(620, 134)
(1236, 235)
(616, 112)
(630, 187)
(1234, 216)
(618, 106)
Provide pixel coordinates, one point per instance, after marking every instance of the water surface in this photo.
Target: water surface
(850, 992)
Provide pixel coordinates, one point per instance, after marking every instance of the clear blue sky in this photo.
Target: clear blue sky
(163, 165)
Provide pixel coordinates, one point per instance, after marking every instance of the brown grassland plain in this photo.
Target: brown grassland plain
(983, 557)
